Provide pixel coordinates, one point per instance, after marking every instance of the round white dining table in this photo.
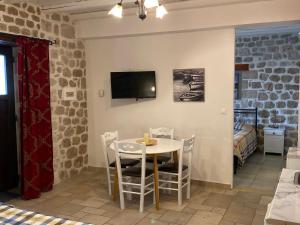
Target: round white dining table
(163, 146)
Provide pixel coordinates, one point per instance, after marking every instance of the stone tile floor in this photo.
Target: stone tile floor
(259, 173)
(85, 198)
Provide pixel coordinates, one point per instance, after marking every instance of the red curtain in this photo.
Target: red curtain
(35, 115)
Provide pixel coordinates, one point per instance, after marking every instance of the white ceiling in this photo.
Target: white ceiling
(87, 6)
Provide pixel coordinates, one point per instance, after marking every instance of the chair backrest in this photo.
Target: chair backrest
(107, 139)
(162, 132)
(188, 144)
(130, 150)
(187, 148)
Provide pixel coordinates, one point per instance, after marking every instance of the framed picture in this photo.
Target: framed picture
(189, 85)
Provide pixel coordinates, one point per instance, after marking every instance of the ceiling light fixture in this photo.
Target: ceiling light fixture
(151, 3)
(143, 6)
(161, 11)
(117, 10)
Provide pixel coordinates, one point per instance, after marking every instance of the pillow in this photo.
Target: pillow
(238, 125)
(235, 125)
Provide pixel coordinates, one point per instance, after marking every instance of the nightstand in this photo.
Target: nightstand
(273, 140)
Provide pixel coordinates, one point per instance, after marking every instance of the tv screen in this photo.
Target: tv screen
(133, 84)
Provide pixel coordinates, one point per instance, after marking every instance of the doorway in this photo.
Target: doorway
(266, 98)
(8, 139)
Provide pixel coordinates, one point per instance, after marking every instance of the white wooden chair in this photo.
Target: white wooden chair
(162, 132)
(180, 174)
(106, 139)
(145, 184)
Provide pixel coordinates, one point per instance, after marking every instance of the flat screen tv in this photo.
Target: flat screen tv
(133, 84)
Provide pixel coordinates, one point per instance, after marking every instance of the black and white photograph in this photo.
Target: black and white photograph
(189, 85)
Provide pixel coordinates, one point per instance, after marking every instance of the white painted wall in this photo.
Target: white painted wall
(187, 38)
(212, 50)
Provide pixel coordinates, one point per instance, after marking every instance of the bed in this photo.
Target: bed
(13, 216)
(245, 136)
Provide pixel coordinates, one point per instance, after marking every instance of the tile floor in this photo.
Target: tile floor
(259, 173)
(85, 198)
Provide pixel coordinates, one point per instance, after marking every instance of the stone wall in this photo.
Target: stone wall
(67, 69)
(272, 84)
